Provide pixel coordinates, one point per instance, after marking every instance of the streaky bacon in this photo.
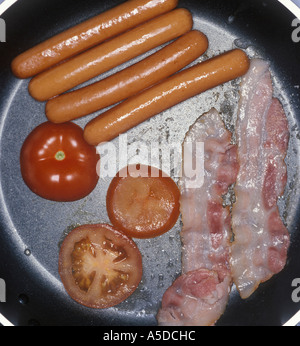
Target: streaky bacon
(261, 240)
(199, 296)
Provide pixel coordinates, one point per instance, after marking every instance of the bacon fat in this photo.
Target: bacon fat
(199, 296)
(261, 239)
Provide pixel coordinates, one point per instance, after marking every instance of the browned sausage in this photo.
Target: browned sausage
(166, 94)
(110, 54)
(129, 81)
(87, 34)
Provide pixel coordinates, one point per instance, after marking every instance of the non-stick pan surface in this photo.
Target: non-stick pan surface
(31, 229)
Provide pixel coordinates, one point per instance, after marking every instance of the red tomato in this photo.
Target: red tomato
(57, 163)
(99, 266)
(145, 205)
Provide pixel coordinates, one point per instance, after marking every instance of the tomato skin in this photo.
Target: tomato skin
(143, 203)
(102, 262)
(57, 164)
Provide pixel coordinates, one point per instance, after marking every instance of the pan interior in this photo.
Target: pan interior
(34, 228)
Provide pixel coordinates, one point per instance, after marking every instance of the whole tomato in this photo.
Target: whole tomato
(57, 163)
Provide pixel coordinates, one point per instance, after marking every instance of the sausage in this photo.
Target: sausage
(169, 92)
(110, 54)
(87, 34)
(129, 81)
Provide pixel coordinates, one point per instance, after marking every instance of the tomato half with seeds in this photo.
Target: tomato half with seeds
(99, 266)
(142, 201)
(57, 163)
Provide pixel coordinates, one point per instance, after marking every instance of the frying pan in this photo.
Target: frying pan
(31, 229)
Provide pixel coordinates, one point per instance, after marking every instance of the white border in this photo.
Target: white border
(5, 5)
(5, 322)
(293, 321)
(290, 6)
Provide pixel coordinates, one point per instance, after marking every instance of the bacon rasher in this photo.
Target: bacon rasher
(261, 240)
(199, 296)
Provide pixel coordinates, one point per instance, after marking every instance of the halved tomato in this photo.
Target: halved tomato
(143, 202)
(99, 265)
